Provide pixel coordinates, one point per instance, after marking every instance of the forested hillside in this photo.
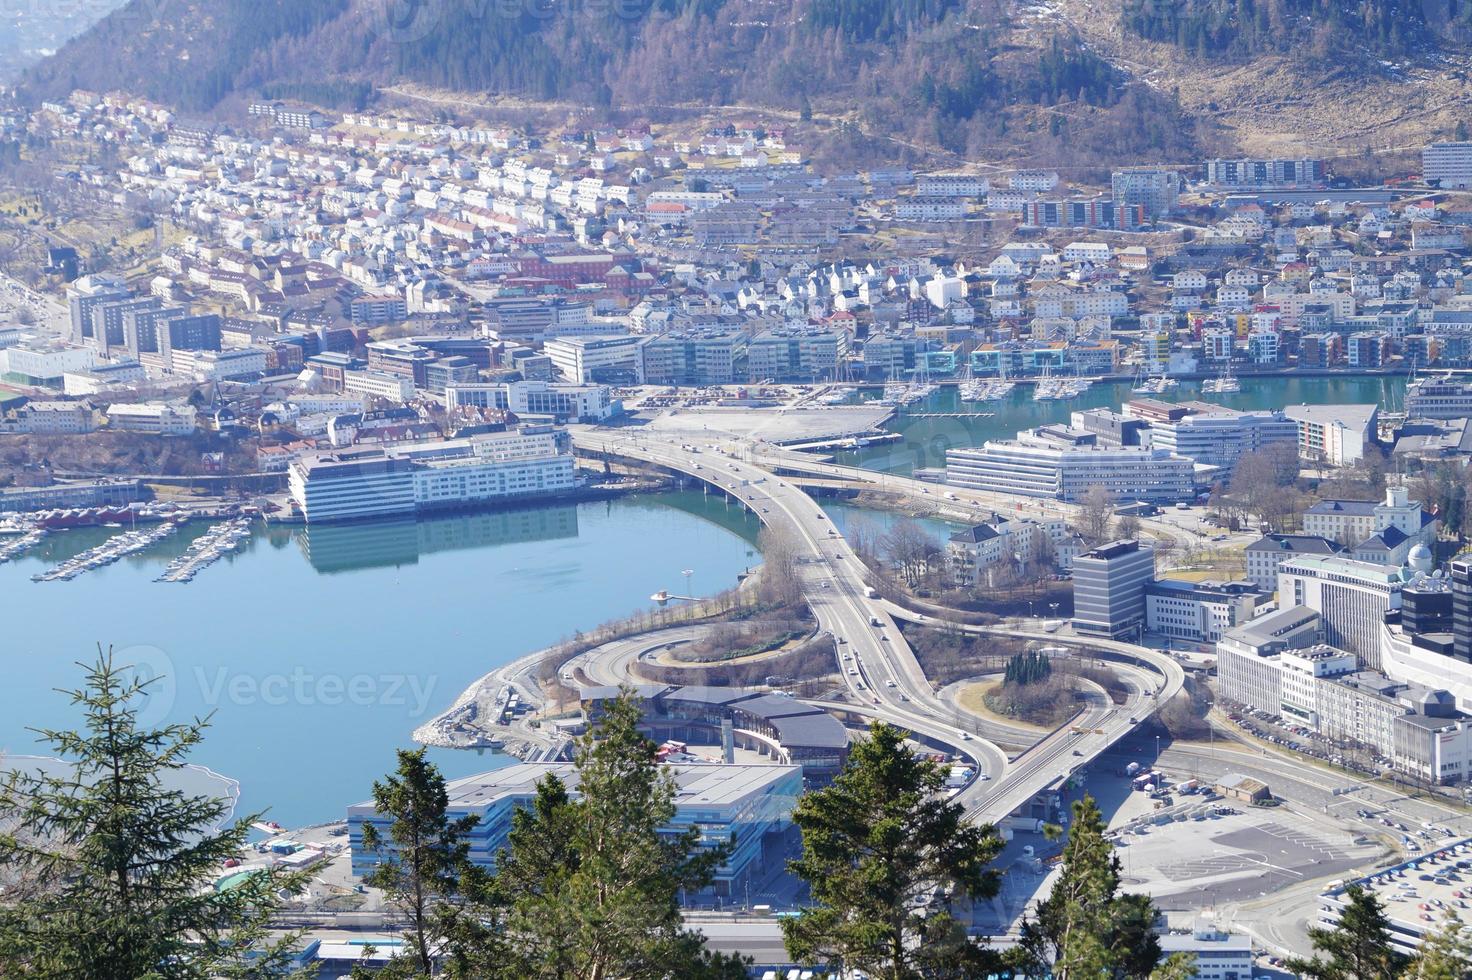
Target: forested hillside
(971, 77)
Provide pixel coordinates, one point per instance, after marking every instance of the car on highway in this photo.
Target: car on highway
(965, 736)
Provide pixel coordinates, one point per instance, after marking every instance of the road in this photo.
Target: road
(1037, 508)
(878, 667)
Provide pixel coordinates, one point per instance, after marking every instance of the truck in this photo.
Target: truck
(870, 593)
(1132, 769)
(1030, 825)
(1187, 786)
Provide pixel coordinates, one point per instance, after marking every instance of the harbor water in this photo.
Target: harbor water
(925, 440)
(319, 650)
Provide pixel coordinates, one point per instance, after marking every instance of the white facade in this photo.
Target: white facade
(437, 476)
(161, 418)
(584, 359)
(1031, 466)
(1448, 163)
(1352, 597)
(392, 387)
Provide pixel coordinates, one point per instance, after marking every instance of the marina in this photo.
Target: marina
(208, 548)
(18, 546)
(116, 547)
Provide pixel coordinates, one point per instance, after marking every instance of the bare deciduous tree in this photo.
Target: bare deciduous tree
(1096, 511)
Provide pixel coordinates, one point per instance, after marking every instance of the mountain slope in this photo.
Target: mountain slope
(1091, 80)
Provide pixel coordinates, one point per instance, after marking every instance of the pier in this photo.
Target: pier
(951, 415)
(208, 548)
(115, 547)
(17, 547)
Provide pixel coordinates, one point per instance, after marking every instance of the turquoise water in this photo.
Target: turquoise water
(319, 651)
(926, 439)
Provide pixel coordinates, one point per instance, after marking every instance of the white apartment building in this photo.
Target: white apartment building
(590, 359)
(55, 418)
(950, 185)
(379, 384)
(1335, 434)
(1034, 465)
(974, 550)
(160, 418)
(361, 484)
(1217, 436)
(929, 209)
(1197, 612)
(1449, 164)
(564, 401)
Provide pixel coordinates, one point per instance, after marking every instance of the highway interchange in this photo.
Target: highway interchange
(878, 667)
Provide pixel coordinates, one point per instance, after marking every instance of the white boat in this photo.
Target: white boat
(1226, 383)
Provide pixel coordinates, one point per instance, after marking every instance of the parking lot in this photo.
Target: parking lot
(1235, 856)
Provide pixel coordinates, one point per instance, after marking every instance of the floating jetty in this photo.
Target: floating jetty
(208, 548)
(18, 546)
(115, 547)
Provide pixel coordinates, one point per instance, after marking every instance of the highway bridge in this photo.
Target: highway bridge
(878, 667)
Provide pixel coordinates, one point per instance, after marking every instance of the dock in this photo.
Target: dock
(18, 546)
(950, 414)
(116, 547)
(845, 442)
(208, 548)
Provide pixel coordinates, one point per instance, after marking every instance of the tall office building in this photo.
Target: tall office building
(1351, 596)
(1462, 609)
(1109, 589)
(1449, 164)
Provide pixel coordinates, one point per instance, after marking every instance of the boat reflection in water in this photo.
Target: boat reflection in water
(377, 544)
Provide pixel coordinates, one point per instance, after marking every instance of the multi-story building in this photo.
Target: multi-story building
(1337, 435)
(1109, 586)
(1154, 188)
(889, 356)
(796, 354)
(53, 418)
(1215, 955)
(1438, 398)
(608, 360)
(1447, 165)
(160, 418)
(975, 552)
(1246, 665)
(1039, 464)
(1269, 551)
(1213, 435)
(358, 484)
(1353, 522)
(379, 384)
(370, 310)
(1256, 174)
(695, 358)
(747, 807)
(1198, 612)
(564, 402)
(1351, 596)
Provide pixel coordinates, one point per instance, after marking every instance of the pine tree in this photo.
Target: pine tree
(590, 887)
(122, 863)
(1445, 954)
(1085, 929)
(880, 845)
(424, 859)
(1357, 947)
